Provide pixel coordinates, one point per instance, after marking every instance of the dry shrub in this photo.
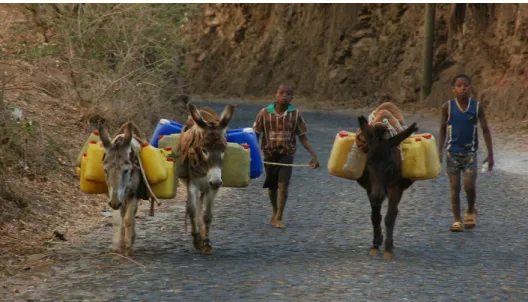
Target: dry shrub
(125, 60)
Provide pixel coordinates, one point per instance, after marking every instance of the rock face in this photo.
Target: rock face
(361, 54)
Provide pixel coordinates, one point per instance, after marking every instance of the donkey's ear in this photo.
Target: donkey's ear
(227, 114)
(129, 131)
(196, 116)
(363, 123)
(103, 134)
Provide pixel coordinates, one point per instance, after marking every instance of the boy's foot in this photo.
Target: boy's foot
(456, 227)
(278, 224)
(470, 219)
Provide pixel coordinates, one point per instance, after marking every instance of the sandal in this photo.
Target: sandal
(456, 227)
(470, 219)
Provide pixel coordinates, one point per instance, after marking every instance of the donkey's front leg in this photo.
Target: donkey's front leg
(208, 202)
(129, 222)
(117, 220)
(192, 202)
(395, 195)
(375, 217)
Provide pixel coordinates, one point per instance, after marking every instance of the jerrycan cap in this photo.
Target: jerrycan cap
(168, 148)
(164, 121)
(95, 132)
(418, 139)
(144, 145)
(245, 146)
(93, 142)
(160, 136)
(343, 133)
(427, 136)
(248, 130)
(170, 159)
(84, 154)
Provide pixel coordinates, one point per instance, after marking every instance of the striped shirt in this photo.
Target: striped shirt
(279, 130)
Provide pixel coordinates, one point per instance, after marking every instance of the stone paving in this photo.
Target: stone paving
(322, 255)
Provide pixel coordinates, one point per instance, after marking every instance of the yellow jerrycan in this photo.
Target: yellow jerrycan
(94, 136)
(413, 163)
(355, 163)
(432, 161)
(90, 187)
(338, 156)
(153, 163)
(93, 170)
(167, 188)
(236, 166)
(169, 141)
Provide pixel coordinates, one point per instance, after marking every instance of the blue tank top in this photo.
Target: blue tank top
(462, 127)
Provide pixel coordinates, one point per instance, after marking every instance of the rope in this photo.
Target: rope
(287, 165)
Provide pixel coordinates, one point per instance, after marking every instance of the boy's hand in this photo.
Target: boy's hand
(490, 162)
(314, 163)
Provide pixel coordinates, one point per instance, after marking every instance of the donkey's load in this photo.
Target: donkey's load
(346, 159)
(236, 166)
(153, 163)
(170, 142)
(89, 186)
(94, 136)
(420, 157)
(93, 170)
(167, 188)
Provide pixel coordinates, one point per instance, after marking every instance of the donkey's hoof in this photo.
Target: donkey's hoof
(127, 252)
(387, 255)
(374, 252)
(207, 249)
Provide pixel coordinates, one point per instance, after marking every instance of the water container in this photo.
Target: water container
(413, 163)
(93, 170)
(247, 136)
(94, 136)
(153, 163)
(167, 188)
(164, 127)
(236, 166)
(355, 163)
(338, 156)
(90, 187)
(432, 160)
(171, 140)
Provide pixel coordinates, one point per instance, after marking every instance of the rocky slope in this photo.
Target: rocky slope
(361, 54)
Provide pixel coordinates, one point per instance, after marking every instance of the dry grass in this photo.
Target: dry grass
(69, 67)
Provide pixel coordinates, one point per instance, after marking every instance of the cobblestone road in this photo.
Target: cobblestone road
(322, 255)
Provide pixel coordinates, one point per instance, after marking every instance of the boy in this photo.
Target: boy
(459, 121)
(278, 124)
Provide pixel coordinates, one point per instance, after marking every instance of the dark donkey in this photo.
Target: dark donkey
(382, 178)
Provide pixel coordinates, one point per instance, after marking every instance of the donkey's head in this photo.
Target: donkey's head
(211, 142)
(383, 158)
(118, 164)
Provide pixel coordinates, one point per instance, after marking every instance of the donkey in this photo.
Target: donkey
(382, 178)
(202, 145)
(123, 177)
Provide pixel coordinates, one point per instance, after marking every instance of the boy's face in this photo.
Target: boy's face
(462, 88)
(283, 96)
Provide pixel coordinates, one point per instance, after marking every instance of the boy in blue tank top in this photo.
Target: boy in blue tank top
(459, 130)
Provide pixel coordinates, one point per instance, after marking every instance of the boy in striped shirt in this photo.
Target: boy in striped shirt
(278, 124)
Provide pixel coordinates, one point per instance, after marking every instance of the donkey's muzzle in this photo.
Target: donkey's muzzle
(215, 185)
(115, 205)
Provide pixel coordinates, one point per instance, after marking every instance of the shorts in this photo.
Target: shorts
(461, 161)
(278, 174)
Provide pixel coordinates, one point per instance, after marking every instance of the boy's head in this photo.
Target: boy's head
(284, 95)
(461, 85)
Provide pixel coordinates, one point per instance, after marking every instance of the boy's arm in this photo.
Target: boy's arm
(301, 130)
(443, 129)
(487, 136)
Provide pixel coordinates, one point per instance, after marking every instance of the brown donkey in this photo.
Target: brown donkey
(202, 145)
(382, 178)
(123, 177)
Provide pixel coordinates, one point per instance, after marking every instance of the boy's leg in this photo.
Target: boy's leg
(273, 199)
(453, 171)
(470, 179)
(284, 182)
